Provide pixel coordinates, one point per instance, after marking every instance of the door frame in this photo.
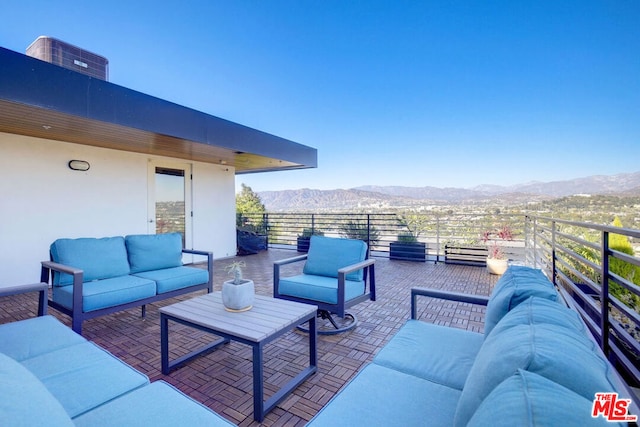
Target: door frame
(188, 196)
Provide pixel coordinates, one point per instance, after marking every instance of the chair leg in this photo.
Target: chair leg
(337, 328)
(326, 315)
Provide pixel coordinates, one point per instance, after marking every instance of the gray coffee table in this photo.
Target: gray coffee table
(267, 320)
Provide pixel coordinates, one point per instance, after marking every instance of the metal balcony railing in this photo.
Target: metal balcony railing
(382, 231)
(595, 267)
(597, 270)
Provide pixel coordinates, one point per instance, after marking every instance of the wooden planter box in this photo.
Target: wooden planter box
(405, 251)
(303, 244)
(467, 255)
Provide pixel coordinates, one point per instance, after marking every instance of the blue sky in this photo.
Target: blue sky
(415, 93)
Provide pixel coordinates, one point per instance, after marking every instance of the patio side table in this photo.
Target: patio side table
(267, 320)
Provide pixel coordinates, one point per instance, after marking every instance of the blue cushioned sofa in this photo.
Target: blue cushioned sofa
(51, 376)
(535, 365)
(96, 276)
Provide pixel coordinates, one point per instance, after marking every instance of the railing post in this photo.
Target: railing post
(604, 297)
(525, 231)
(437, 238)
(368, 234)
(313, 223)
(265, 224)
(534, 251)
(553, 252)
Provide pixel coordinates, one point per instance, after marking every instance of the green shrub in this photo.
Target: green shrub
(407, 237)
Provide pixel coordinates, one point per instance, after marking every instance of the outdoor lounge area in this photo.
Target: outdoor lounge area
(222, 380)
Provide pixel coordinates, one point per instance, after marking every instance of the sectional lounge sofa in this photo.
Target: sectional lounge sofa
(535, 365)
(49, 375)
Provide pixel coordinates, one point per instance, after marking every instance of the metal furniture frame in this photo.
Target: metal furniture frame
(268, 319)
(325, 309)
(77, 313)
(42, 289)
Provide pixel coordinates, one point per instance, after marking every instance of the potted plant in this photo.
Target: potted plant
(237, 293)
(305, 237)
(407, 248)
(497, 261)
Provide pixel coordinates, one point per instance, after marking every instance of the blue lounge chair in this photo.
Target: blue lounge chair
(335, 277)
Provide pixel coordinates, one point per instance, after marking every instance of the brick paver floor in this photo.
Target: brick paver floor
(222, 379)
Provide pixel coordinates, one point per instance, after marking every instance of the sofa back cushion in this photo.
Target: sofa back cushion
(25, 400)
(516, 285)
(154, 251)
(528, 399)
(98, 258)
(35, 336)
(538, 311)
(561, 354)
(329, 254)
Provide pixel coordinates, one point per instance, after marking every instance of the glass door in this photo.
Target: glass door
(170, 200)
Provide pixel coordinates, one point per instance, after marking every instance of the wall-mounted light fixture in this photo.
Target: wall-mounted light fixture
(79, 165)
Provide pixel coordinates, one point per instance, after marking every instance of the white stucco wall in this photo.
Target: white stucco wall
(41, 199)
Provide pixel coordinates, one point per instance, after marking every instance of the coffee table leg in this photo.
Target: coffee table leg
(313, 342)
(260, 407)
(164, 343)
(258, 383)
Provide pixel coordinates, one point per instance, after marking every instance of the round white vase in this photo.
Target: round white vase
(238, 297)
(497, 266)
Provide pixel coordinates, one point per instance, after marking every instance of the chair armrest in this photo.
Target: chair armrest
(50, 265)
(196, 252)
(450, 296)
(291, 260)
(78, 279)
(41, 287)
(6, 291)
(368, 266)
(355, 267)
(209, 256)
(276, 271)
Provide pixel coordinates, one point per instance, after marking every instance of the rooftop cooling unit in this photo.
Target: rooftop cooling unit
(69, 56)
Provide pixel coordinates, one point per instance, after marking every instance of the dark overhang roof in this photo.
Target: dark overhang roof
(47, 101)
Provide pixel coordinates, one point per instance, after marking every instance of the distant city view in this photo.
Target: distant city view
(595, 199)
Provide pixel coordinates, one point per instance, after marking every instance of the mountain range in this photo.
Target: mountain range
(381, 197)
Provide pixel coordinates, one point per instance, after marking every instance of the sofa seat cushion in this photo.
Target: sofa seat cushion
(566, 357)
(157, 404)
(379, 396)
(98, 258)
(436, 353)
(107, 293)
(35, 336)
(327, 255)
(84, 376)
(154, 251)
(319, 288)
(25, 400)
(528, 399)
(516, 285)
(170, 279)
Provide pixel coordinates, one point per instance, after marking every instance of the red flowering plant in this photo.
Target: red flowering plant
(495, 250)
